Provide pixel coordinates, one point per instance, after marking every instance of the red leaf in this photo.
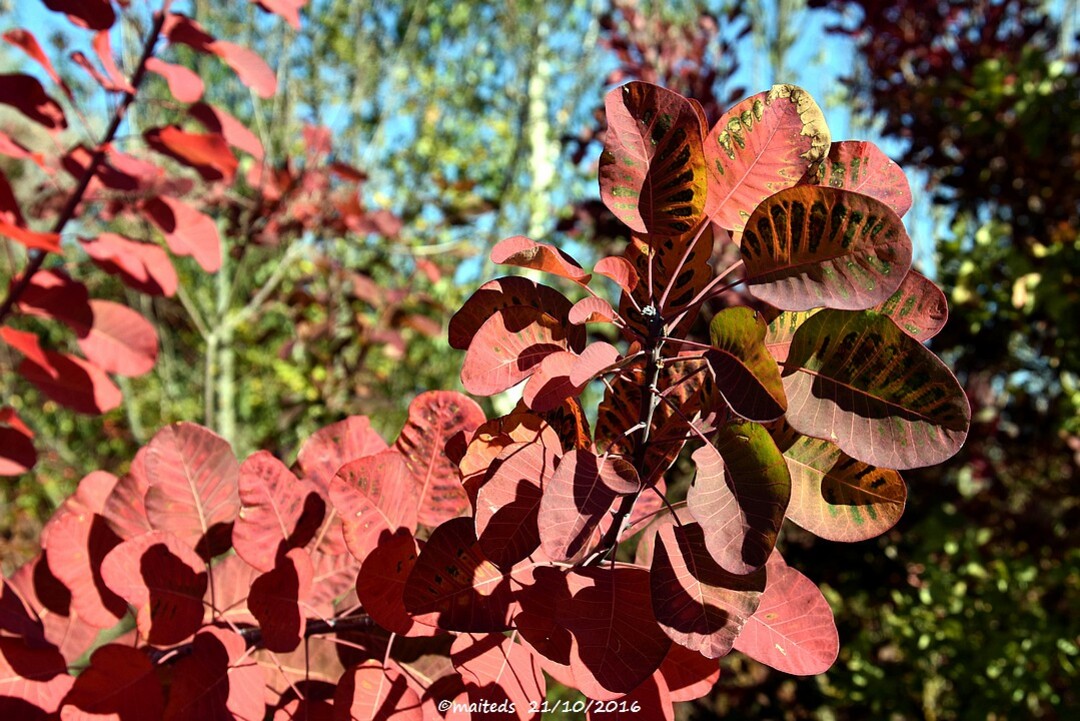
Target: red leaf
(125, 508)
(17, 454)
(508, 502)
(508, 348)
(193, 478)
(25, 94)
(372, 692)
(278, 512)
(287, 9)
(49, 242)
(207, 153)
(184, 84)
(9, 206)
(620, 270)
(72, 382)
(276, 601)
(434, 418)
(164, 579)
(120, 340)
(550, 385)
(862, 167)
(491, 438)
(501, 293)
(579, 494)
(500, 673)
(374, 495)
(53, 621)
(652, 170)
(380, 586)
(120, 680)
(91, 14)
(617, 642)
(793, 629)
(77, 163)
(592, 310)
(525, 253)
(596, 358)
(217, 681)
(103, 49)
(52, 294)
(697, 603)
(14, 149)
(25, 41)
(25, 342)
(248, 66)
(142, 266)
(186, 230)
(33, 679)
(77, 541)
(688, 674)
(235, 133)
(329, 448)
(454, 579)
(761, 146)
(918, 306)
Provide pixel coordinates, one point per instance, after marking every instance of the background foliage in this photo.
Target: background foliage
(473, 122)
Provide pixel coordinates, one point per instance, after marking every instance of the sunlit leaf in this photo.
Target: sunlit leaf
(746, 375)
(525, 253)
(918, 306)
(861, 166)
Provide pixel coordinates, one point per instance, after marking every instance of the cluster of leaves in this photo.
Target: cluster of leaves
(476, 555)
(194, 182)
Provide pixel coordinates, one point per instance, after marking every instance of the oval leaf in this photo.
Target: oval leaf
(119, 680)
(918, 306)
(858, 380)
(813, 246)
(217, 681)
(509, 347)
(278, 600)
(861, 167)
(380, 585)
(793, 629)
(652, 170)
(739, 495)
(525, 253)
(374, 495)
(759, 147)
(373, 692)
(746, 375)
(120, 340)
(501, 293)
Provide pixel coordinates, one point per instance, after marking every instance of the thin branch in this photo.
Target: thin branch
(37, 258)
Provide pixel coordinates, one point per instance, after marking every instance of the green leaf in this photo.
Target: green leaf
(812, 246)
(746, 375)
(918, 307)
(856, 379)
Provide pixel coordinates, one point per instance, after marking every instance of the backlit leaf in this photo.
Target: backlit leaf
(187, 231)
(812, 246)
(120, 340)
(164, 579)
(688, 674)
(248, 66)
(861, 166)
(25, 94)
(664, 254)
(525, 253)
(739, 496)
(193, 477)
(373, 692)
(454, 579)
(918, 306)
(142, 266)
(497, 671)
(374, 495)
(33, 679)
(652, 170)
(617, 641)
(746, 375)
(206, 153)
(782, 330)
(596, 358)
(508, 348)
(184, 84)
(217, 681)
(17, 454)
(793, 629)
(501, 293)
(580, 492)
(72, 382)
(620, 270)
(92, 14)
(434, 418)
(550, 385)
(120, 680)
(759, 147)
(591, 310)
(278, 601)
(858, 380)
(380, 585)
(236, 134)
(697, 603)
(509, 501)
(834, 496)
(278, 511)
